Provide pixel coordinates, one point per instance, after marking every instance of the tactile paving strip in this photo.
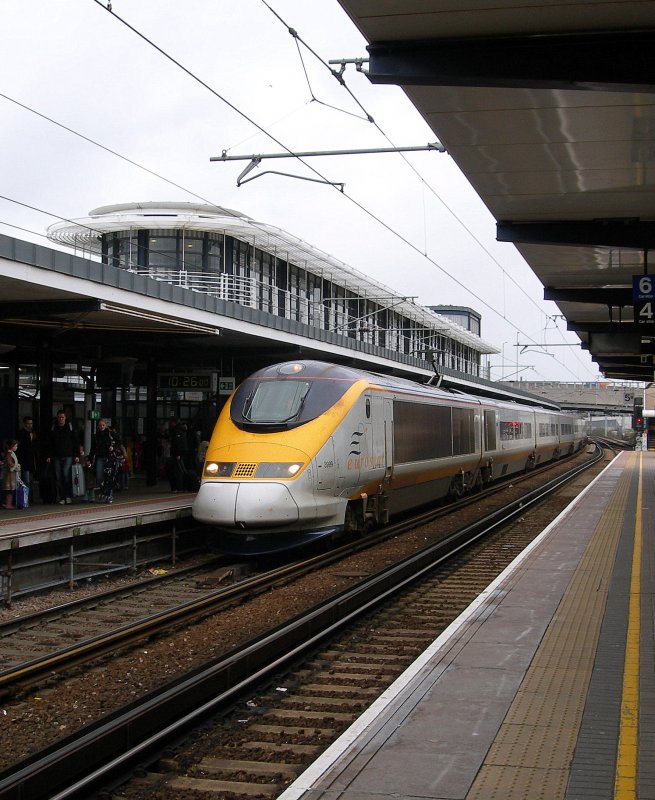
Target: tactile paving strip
(532, 753)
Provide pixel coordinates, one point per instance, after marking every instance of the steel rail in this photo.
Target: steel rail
(30, 672)
(54, 612)
(114, 745)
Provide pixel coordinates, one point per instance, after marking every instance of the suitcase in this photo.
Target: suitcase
(77, 479)
(22, 495)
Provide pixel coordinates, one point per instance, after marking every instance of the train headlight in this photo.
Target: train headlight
(219, 469)
(278, 470)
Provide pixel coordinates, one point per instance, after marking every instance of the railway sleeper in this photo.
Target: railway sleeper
(216, 766)
(294, 748)
(220, 788)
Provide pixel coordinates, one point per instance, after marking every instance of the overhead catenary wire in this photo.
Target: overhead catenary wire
(355, 202)
(338, 75)
(20, 228)
(104, 147)
(280, 144)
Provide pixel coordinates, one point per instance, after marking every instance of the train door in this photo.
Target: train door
(382, 434)
(490, 440)
(351, 445)
(325, 467)
(489, 444)
(477, 432)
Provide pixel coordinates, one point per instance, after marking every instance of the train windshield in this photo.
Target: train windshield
(282, 404)
(276, 401)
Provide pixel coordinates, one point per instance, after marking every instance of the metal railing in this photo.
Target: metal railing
(325, 314)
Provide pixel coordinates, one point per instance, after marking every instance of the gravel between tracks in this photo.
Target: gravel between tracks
(85, 695)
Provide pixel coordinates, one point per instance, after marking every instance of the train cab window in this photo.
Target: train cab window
(282, 404)
(276, 401)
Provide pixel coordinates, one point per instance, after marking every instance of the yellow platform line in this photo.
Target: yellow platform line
(625, 782)
(535, 745)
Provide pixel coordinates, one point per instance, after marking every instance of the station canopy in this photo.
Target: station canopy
(548, 109)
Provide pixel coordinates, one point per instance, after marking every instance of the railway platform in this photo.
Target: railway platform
(138, 505)
(48, 546)
(543, 688)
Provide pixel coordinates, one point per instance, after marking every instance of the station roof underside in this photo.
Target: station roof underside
(549, 111)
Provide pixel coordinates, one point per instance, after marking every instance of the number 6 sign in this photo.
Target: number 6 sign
(643, 298)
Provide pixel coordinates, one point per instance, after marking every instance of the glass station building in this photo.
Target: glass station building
(229, 255)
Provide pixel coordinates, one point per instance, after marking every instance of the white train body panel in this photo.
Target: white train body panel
(312, 448)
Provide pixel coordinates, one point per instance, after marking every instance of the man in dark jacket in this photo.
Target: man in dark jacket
(27, 452)
(62, 452)
(177, 435)
(101, 456)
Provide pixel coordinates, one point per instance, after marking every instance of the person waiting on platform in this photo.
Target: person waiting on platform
(11, 473)
(124, 467)
(63, 450)
(89, 477)
(176, 466)
(27, 453)
(102, 449)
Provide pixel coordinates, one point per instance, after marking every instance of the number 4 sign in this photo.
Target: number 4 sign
(643, 298)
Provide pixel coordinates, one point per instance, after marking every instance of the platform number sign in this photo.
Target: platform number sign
(643, 298)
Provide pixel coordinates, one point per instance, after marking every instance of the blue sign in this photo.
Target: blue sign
(643, 299)
(643, 287)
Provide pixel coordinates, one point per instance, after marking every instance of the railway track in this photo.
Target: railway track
(35, 647)
(36, 643)
(227, 678)
(272, 735)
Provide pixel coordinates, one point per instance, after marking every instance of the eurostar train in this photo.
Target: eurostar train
(306, 449)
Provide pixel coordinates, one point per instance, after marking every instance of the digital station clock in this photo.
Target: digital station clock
(185, 381)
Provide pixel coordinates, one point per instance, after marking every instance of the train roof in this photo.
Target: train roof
(324, 370)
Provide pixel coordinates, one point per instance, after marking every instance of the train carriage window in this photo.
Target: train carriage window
(511, 430)
(547, 429)
(421, 431)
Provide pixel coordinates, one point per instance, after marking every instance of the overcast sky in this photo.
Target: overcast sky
(412, 223)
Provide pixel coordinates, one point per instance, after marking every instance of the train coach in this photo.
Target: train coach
(306, 449)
